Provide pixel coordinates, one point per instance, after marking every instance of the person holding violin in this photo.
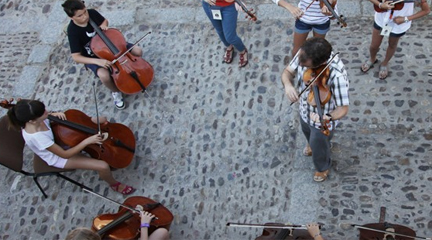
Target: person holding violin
(80, 33)
(223, 15)
(393, 21)
(146, 217)
(310, 15)
(314, 55)
(31, 118)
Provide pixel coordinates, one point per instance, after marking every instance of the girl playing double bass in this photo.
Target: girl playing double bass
(31, 117)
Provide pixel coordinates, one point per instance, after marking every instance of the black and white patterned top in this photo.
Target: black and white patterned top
(338, 83)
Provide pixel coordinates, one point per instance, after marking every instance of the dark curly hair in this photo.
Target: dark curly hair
(318, 50)
(24, 111)
(71, 6)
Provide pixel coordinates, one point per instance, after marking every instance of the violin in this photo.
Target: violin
(131, 74)
(398, 5)
(277, 231)
(320, 94)
(125, 224)
(119, 141)
(250, 13)
(330, 7)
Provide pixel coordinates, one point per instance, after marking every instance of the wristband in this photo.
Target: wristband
(406, 19)
(147, 225)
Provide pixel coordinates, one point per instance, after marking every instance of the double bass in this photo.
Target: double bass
(131, 74)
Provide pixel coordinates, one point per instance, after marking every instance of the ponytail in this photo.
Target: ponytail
(25, 111)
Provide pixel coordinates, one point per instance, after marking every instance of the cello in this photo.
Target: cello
(125, 224)
(119, 141)
(131, 74)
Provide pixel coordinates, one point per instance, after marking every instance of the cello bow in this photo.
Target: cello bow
(388, 232)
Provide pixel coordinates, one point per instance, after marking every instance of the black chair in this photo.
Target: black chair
(12, 157)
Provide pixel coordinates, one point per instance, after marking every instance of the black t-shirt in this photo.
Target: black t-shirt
(80, 37)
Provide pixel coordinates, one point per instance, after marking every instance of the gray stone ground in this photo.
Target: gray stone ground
(218, 144)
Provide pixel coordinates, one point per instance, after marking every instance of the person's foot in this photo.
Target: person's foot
(122, 188)
(383, 72)
(321, 176)
(243, 58)
(229, 54)
(118, 100)
(368, 65)
(307, 151)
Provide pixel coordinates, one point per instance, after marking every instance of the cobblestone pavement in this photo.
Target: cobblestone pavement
(216, 143)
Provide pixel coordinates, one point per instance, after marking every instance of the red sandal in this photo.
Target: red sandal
(228, 56)
(126, 190)
(243, 58)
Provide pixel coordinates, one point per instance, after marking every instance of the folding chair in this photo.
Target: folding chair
(12, 157)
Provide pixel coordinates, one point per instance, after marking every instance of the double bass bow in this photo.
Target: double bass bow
(131, 74)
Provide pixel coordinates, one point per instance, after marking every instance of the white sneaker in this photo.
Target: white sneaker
(118, 100)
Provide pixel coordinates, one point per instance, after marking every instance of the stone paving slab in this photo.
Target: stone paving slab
(217, 144)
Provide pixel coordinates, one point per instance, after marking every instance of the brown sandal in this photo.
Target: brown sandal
(229, 54)
(243, 58)
(321, 176)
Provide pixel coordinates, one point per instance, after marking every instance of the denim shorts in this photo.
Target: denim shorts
(302, 27)
(95, 67)
(391, 34)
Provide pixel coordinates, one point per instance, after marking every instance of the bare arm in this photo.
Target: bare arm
(59, 151)
(287, 79)
(294, 10)
(425, 10)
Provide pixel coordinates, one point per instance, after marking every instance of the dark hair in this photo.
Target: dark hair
(318, 50)
(71, 6)
(82, 234)
(25, 110)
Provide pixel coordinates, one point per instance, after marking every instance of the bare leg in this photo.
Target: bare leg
(80, 161)
(159, 234)
(299, 39)
(106, 79)
(318, 35)
(391, 49)
(137, 51)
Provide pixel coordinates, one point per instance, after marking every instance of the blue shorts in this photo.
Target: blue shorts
(302, 27)
(391, 34)
(95, 67)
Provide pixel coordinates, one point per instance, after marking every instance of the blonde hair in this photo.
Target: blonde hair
(82, 234)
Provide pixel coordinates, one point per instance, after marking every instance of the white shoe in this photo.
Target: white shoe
(118, 100)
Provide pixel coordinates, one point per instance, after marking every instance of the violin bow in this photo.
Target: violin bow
(392, 233)
(282, 226)
(316, 77)
(130, 49)
(109, 199)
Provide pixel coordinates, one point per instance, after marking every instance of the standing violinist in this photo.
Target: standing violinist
(80, 33)
(393, 24)
(223, 15)
(313, 54)
(310, 16)
(31, 118)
